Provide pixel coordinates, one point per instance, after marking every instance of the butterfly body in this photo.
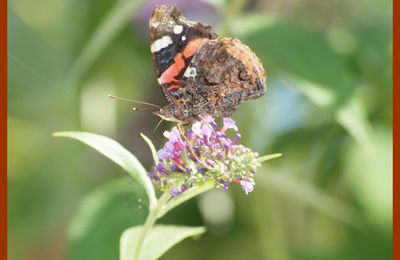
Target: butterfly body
(199, 72)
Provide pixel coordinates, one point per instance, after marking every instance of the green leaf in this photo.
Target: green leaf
(152, 148)
(118, 154)
(369, 174)
(297, 51)
(307, 59)
(102, 216)
(269, 157)
(354, 118)
(159, 240)
(307, 194)
(107, 30)
(351, 114)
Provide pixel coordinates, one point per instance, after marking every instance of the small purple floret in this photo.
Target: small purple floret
(209, 162)
(201, 169)
(175, 192)
(236, 138)
(229, 123)
(225, 185)
(183, 188)
(247, 186)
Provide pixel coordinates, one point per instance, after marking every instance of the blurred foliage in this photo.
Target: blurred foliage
(328, 110)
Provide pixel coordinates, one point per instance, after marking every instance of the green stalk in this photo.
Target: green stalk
(187, 195)
(151, 219)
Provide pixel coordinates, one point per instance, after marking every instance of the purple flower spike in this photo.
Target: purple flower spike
(209, 155)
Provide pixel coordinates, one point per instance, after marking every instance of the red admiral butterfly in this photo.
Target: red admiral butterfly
(199, 72)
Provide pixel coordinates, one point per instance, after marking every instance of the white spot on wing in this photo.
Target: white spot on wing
(178, 29)
(159, 80)
(183, 38)
(190, 72)
(161, 43)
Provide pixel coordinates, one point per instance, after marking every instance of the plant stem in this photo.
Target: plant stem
(151, 219)
(191, 193)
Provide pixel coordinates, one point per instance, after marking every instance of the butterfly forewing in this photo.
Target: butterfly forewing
(174, 41)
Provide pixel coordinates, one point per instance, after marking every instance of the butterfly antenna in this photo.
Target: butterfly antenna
(140, 109)
(134, 101)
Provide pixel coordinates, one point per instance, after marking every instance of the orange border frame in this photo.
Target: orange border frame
(396, 125)
(3, 102)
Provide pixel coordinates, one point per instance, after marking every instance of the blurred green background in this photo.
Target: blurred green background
(328, 109)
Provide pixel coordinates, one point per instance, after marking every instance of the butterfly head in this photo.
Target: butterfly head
(169, 113)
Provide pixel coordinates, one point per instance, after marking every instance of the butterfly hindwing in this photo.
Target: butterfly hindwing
(224, 74)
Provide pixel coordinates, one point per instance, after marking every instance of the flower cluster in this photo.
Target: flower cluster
(204, 154)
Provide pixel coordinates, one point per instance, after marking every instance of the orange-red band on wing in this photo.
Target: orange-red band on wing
(192, 47)
(172, 87)
(173, 70)
(179, 62)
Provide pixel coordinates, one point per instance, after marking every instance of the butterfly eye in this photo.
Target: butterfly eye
(244, 75)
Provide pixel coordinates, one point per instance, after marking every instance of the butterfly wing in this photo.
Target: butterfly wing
(174, 41)
(222, 75)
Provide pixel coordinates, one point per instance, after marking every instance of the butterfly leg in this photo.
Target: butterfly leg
(207, 124)
(190, 146)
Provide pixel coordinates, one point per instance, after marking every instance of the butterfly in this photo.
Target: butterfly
(200, 73)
